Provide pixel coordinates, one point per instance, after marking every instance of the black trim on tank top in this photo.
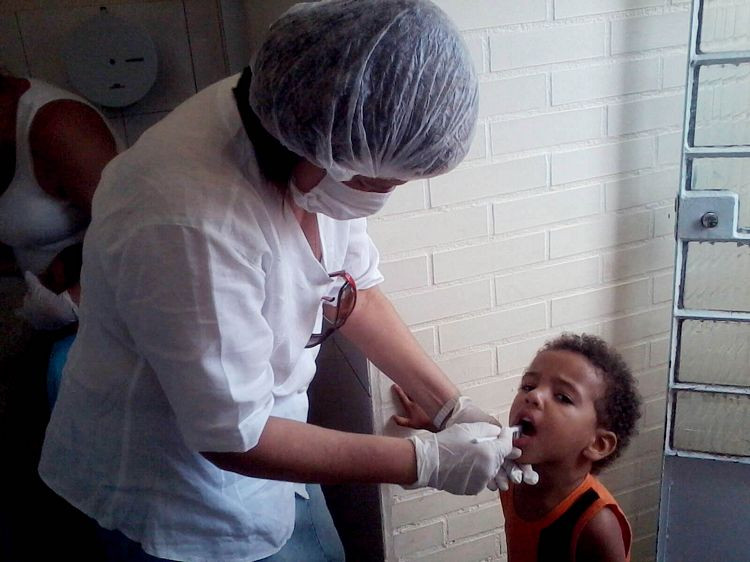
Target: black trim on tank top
(554, 540)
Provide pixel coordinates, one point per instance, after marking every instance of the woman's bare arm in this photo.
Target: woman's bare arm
(299, 452)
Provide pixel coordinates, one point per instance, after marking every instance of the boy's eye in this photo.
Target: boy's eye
(526, 387)
(564, 398)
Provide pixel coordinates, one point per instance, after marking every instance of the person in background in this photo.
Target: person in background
(577, 409)
(218, 242)
(53, 147)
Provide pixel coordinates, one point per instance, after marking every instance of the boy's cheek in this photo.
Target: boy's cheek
(527, 457)
(515, 405)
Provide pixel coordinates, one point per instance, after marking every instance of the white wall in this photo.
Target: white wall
(260, 15)
(561, 218)
(188, 36)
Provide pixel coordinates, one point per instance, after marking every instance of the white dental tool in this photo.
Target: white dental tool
(516, 429)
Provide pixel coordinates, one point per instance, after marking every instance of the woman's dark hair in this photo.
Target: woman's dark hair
(275, 161)
(619, 409)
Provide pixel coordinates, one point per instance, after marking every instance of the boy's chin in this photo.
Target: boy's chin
(527, 458)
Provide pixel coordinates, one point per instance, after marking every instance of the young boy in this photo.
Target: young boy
(577, 407)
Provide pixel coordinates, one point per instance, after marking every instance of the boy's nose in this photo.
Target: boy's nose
(533, 397)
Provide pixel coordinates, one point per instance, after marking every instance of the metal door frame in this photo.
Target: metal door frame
(707, 215)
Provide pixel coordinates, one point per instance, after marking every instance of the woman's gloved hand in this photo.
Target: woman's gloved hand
(511, 471)
(460, 459)
(45, 310)
(463, 410)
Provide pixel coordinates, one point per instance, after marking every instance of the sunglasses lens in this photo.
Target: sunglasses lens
(346, 301)
(317, 339)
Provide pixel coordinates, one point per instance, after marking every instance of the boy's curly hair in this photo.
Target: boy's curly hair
(619, 409)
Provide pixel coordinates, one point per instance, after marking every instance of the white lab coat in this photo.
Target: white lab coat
(199, 294)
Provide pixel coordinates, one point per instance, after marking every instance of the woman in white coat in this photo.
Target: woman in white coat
(217, 242)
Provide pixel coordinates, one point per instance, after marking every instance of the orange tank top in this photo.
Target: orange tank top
(554, 537)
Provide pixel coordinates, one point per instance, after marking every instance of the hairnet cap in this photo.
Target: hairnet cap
(380, 88)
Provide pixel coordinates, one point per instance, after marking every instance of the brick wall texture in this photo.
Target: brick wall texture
(561, 218)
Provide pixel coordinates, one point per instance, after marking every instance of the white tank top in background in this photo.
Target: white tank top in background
(34, 223)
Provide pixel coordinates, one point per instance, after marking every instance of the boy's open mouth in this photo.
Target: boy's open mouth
(527, 427)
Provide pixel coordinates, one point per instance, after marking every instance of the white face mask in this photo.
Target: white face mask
(338, 201)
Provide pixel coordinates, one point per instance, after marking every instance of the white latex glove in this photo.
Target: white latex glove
(463, 410)
(512, 471)
(452, 460)
(44, 309)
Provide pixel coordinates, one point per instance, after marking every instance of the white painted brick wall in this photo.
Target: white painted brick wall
(467, 368)
(652, 382)
(434, 304)
(410, 541)
(515, 356)
(561, 217)
(663, 286)
(634, 327)
(413, 198)
(409, 510)
(669, 147)
(480, 548)
(674, 69)
(470, 261)
(492, 327)
(478, 147)
(599, 302)
(571, 8)
(603, 160)
(608, 80)
(653, 255)
(478, 182)
(538, 282)
(545, 130)
(427, 339)
(604, 232)
(649, 32)
(549, 208)
(664, 218)
(475, 43)
(477, 14)
(432, 229)
(469, 523)
(659, 350)
(641, 190)
(512, 95)
(645, 115)
(408, 273)
(514, 49)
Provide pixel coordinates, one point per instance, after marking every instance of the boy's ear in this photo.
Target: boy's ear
(603, 445)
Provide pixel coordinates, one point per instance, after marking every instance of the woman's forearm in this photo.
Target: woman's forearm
(298, 452)
(378, 331)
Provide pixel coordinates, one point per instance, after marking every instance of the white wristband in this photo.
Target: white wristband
(444, 412)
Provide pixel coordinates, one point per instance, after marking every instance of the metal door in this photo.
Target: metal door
(705, 495)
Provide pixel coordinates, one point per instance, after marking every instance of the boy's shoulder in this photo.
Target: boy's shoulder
(602, 538)
(605, 534)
